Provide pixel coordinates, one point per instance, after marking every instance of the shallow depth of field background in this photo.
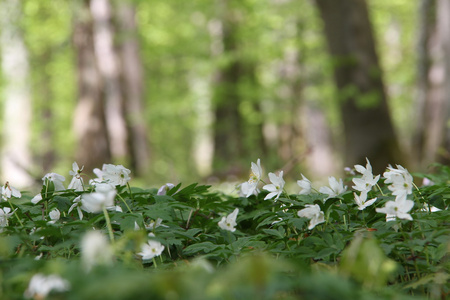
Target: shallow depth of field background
(185, 91)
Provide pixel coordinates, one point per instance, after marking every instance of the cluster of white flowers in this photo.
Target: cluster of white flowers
(276, 188)
(103, 197)
(399, 180)
(401, 184)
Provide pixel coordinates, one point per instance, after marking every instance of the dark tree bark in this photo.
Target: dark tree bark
(367, 125)
(132, 80)
(89, 122)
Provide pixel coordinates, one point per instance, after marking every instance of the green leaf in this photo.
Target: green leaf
(278, 233)
(205, 247)
(325, 253)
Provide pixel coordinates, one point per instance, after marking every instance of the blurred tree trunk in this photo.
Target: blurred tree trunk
(427, 22)
(132, 79)
(367, 125)
(109, 68)
(228, 122)
(15, 158)
(90, 126)
(432, 139)
(48, 154)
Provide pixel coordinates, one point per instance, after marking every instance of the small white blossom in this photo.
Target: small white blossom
(77, 181)
(397, 209)
(313, 213)
(95, 250)
(367, 180)
(36, 199)
(305, 185)
(94, 202)
(401, 182)
(40, 286)
(276, 187)
(8, 191)
(77, 204)
(362, 201)
(165, 188)
(116, 175)
(251, 185)
(229, 222)
(5, 214)
(151, 249)
(56, 179)
(54, 216)
(335, 189)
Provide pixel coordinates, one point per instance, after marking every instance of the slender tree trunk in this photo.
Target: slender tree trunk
(433, 136)
(228, 123)
(132, 78)
(16, 157)
(108, 65)
(89, 120)
(367, 125)
(427, 23)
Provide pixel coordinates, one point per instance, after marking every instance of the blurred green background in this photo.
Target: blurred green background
(183, 91)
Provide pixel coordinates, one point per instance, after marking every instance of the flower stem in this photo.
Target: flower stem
(108, 224)
(15, 213)
(123, 200)
(129, 190)
(379, 188)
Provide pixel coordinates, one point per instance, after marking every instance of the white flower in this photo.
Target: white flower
(95, 250)
(116, 175)
(276, 188)
(152, 225)
(8, 191)
(36, 199)
(305, 185)
(245, 188)
(155, 224)
(362, 201)
(151, 249)
(54, 216)
(40, 286)
(255, 177)
(401, 182)
(77, 203)
(165, 188)
(104, 187)
(367, 180)
(397, 209)
(229, 222)
(336, 188)
(5, 213)
(313, 213)
(94, 202)
(56, 179)
(77, 181)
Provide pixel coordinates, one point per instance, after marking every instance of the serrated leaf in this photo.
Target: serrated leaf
(205, 247)
(274, 232)
(325, 253)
